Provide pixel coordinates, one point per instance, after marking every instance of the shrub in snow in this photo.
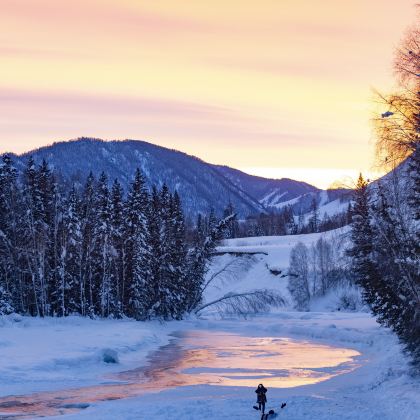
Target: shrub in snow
(110, 356)
(349, 299)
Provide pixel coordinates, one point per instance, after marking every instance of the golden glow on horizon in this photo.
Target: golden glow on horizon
(321, 177)
(281, 84)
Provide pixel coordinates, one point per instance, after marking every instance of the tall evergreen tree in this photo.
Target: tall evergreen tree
(10, 214)
(69, 289)
(39, 199)
(117, 241)
(314, 218)
(156, 255)
(177, 258)
(362, 236)
(135, 297)
(103, 250)
(88, 219)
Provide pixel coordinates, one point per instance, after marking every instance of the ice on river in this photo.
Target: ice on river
(324, 365)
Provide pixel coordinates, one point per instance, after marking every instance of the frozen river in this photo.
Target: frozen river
(199, 357)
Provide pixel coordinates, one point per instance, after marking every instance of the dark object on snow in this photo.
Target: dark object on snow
(261, 397)
(110, 356)
(270, 415)
(283, 405)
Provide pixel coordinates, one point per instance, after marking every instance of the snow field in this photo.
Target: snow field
(44, 354)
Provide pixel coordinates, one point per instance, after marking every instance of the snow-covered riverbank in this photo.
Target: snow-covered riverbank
(54, 354)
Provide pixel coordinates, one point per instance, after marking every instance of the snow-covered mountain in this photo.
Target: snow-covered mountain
(202, 186)
(275, 194)
(271, 193)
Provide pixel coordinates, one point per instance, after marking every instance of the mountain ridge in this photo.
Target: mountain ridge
(201, 185)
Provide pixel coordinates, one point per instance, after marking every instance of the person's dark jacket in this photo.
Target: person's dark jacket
(261, 397)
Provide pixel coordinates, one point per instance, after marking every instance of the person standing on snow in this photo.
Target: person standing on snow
(261, 397)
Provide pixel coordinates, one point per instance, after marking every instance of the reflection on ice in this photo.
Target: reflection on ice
(198, 358)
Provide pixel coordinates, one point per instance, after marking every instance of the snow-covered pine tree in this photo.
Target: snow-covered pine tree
(39, 199)
(88, 219)
(362, 236)
(29, 232)
(103, 250)
(314, 218)
(167, 295)
(397, 303)
(117, 241)
(50, 219)
(136, 286)
(290, 224)
(177, 256)
(156, 254)
(69, 291)
(10, 214)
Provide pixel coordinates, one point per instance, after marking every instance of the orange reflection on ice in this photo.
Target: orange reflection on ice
(233, 360)
(199, 358)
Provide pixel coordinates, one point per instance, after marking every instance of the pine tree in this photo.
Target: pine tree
(156, 255)
(167, 295)
(117, 241)
(397, 299)
(10, 214)
(50, 202)
(38, 215)
(314, 219)
(177, 257)
(136, 295)
(103, 252)
(362, 236)
(88, 220)
(71, 254)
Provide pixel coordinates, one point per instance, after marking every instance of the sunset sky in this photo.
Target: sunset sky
(276, 88)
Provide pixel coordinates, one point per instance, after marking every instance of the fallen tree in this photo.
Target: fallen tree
(245, 303)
